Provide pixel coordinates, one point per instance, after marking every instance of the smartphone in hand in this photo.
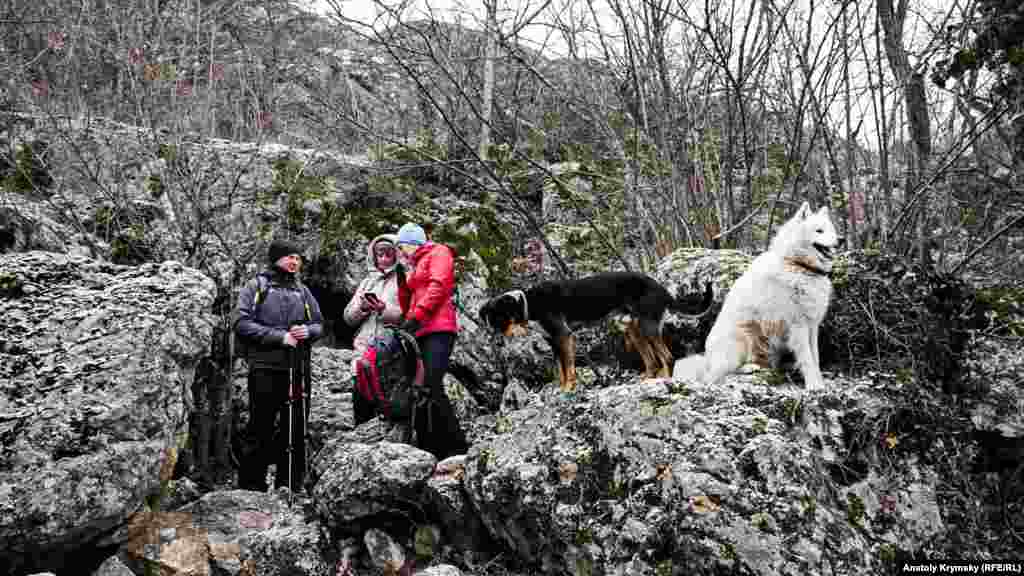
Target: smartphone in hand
(373, 301)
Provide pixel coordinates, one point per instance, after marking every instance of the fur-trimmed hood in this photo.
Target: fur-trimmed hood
(371, 262)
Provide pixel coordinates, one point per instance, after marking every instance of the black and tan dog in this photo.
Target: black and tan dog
(556, 305)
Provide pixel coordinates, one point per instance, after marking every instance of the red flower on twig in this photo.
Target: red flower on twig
(264, 120)
(55, 40)
(183, 88)
(216, 72)
(135, 56)
(40, 88)
(535, 255)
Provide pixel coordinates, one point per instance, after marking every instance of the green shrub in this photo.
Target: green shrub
(28, 174)
(154, 185)
(292, 181)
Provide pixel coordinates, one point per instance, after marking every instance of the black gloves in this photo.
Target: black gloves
(410, 325)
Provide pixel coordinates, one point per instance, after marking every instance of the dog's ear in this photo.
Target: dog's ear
(804, 211)
(505, 300)
(486, 311)
(823, 210)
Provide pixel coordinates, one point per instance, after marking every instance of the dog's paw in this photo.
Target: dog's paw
(749, 369)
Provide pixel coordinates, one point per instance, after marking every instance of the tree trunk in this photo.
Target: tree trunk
(918, 124)
(204, 421)
(855, 197)
(727, 168)
(488, 91)
(220, 401)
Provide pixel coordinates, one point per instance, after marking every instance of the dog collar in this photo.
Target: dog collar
(805, 265)
(520, 295)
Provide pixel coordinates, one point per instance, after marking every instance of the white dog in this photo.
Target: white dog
(775, 307)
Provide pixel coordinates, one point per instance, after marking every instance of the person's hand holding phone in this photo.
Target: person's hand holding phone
(371, 303)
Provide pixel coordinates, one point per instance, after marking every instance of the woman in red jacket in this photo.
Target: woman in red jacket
(425, 293)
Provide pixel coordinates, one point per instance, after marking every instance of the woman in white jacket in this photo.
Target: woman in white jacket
(382, 281)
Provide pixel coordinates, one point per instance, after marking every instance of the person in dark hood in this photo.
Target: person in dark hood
(277, 315)
(425, 293)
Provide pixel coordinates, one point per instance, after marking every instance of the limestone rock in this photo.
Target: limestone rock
(229, 532)
(96, 368)
(386, 555)
(449, 503)
(113, 566)
(661, 473)
(440, 570)
(359, 481)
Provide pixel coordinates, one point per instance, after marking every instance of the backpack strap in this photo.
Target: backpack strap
(305, 303)
(420, 396)
(261, 290)
(412, 352)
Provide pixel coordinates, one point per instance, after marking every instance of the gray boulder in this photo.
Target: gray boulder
(229, 532)
(113, 566)
(440, 570)
(27, 224)
(96, 367)
(360, 481)
(661, 474)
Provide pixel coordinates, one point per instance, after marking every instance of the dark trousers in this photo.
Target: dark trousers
(362, 409)
(267, 435)
(436, 424)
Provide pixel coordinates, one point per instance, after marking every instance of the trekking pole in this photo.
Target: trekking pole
(305, 406)
(376, 317)
(291, 384)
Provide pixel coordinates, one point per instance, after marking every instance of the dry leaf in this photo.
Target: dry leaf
(567, 472)
(703, 505)
(892, 441)
(664, 472)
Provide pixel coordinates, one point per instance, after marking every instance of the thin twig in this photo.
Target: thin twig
(919, 192)
(1019, 219)
(740, 224)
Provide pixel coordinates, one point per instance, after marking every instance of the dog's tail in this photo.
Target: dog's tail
(686, 310)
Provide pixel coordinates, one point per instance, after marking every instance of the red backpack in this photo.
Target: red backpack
(390, 374)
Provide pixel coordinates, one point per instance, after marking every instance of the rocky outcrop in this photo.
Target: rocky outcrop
(153, 195)
(230, 532)
(96, 365)
(360, 481)
(27, 225)
(633, 478)
(644, 477)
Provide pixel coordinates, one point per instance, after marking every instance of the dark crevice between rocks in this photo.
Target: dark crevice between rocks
(332, 302)
(8, 240)
(859, 431)
(999, 454)
(489, 399)
(1003, 458)
(57, 559)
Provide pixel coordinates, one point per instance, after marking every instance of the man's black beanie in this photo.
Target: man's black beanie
(280, 248)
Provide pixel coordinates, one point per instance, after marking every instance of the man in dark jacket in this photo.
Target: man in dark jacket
(277, 316)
